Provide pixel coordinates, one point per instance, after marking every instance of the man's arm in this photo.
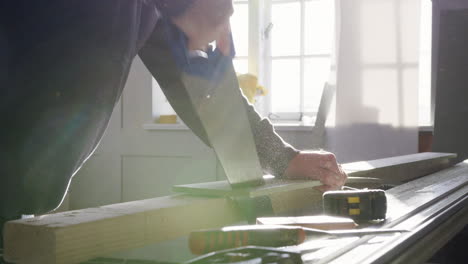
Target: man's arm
(274, 153)
(276, 156)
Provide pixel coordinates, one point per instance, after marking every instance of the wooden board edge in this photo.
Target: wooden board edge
(77, 236)
(149, 217)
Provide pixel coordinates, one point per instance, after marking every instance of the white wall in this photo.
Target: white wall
(376, 111)
(132, 163)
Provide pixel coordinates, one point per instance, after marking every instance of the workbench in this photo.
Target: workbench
(430, 200)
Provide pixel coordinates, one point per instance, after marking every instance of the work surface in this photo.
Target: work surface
(434, 208)
(76, 236)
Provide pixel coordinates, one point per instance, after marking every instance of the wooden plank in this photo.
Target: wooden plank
(392, 170)
(272, 185)
(323, 222)
(396, 170)
(75, 236)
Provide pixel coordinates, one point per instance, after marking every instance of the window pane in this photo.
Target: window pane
(241, 65)
(161, 105)
(285, 94)
(240, 29)
(319, 26)
(316, 72)
(425, 65)
(285, 34)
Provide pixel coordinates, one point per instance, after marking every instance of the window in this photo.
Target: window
(240, 29)
(293, 50)
(288, 44)
(425, 101)
(291, 54)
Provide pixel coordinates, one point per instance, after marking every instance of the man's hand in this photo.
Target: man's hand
(317, 165)
(206, 21)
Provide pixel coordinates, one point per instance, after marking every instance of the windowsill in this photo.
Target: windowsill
(298, 126)
(279, 126)
(155, 126)
(292, 126)
(426, 128)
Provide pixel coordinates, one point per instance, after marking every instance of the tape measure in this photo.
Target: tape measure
(360, 205)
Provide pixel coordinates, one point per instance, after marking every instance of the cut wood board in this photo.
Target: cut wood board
(388, 170)
(323, 222)
(224, 189)
(401, 169)
(75, 236)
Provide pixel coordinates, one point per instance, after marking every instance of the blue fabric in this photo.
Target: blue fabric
(212, 67)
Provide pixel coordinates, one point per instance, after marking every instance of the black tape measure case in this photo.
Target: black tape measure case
(360, 205)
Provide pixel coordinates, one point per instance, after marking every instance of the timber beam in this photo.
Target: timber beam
(75, 236)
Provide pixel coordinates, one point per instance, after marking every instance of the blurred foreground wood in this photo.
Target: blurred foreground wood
(75, 236)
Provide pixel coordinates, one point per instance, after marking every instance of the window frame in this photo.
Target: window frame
(260, 57)
(259, 60)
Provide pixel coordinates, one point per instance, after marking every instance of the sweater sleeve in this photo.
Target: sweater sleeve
(273, 152)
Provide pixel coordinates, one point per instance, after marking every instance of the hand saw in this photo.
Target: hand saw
(211, 83)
